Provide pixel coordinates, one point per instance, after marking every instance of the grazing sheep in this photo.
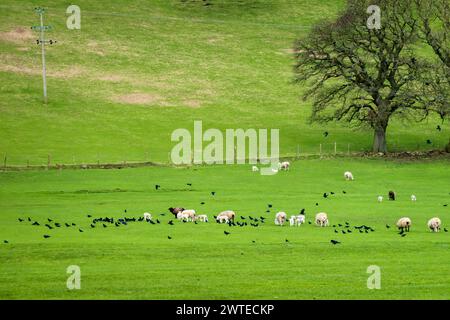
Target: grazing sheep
(348, 175)
(175, 211)
(391, 195)
(322, 219)
(147, 216)
(380, 198)
(255, 169)
(413, 198)
(296, 220)
(283, 165)
(226, 216)
(182, 216)
(190, 213)
(280, 218)
(434, 224)
(202, 218)
(404, 223)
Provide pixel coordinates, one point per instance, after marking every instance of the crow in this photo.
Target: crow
(331, 192)
(157, 221)
(151, 222)
(29, 219)
(343, 232)
(309, 222)
(226, 233)
(104, 225)
(334, 241)
(49, 220)
(49, 226)
(267, 211)
(89, 216)
(286, 240)
(438, 128)
(213, 193)
(325, 195)
(349, 231)
(317, 203)
(340, 225)
(334, 226)
(202, 203)
(157, 186)
(35, 223)
(169, 237)
(80, 230)
(335, 231)
(171, 222)
(253, 241)
(92, 226)
(189, 184)
(403, 235)
(344, 192)
(445, 229)
(46, 236)
(250, 217)
(302, 211)
(269, 205)
(67, 225)
(20, 220)
(387, 226)
(243, 218)
(5, 241)
(57, 225)
(429, 141)
(195, 222)
(325, 134)
(73, 224)
(117, 224)
(445, 205)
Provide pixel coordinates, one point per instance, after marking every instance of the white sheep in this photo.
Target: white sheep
(413, 198)
(404, 223)
(348, 175)
(380, 198)
(283, 165)
(226, 216)
(296, 220)
(255, 169)
(202, 218)
(147, 216)
(183, 216)
(434, 224)
(280, 218)
(322, 219)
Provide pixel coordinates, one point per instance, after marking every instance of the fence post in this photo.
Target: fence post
(335, 146)
(48, 161)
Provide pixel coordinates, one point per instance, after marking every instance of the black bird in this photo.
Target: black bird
(195, 222)
(126, 209)
(157, 221)
(92, 226)
(226, 233)
(267, 211)
(73, 224)
(360, 231)
(445, 205)
(117, 224)
(344, 192)
(20, 220)
(334, 241)
(57, 225)
(317, 203)
(202, 203)
(243, 218)
(169, 237)
(35, 223)
(49, 220)
(387, 226)
(340, 225)
(349, 231)
(429, 141)
(253, 241)
(5, 241)
(343, 232)
(250, 217)
(269, 205)
(29, 219)
(171, 222)
(189, 184)
(325, 195)
(366, 231)
(151, 222)
(302, 211)
(213, 193)
(46, 236)
(104, 225)
(403, 235)
(89, 216)
(80, 230)
(157, 186)
(286, 240)
(334, 226)
(49, 226)
(335, 231)
(438, 128)
(309, 222)
(331, 192)
(347, 223)
(325, 134)
(67, 225)
(445, 229)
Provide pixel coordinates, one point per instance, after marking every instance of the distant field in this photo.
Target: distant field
(138, 261)
(137, 70)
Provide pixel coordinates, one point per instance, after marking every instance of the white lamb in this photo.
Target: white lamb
(280, 218)
(434, 224)
(413, 198)
(255, 169)
(202, 218)
(380, 198)
(147, 216)
(296, 220)
(348, 175)
(322, 219)
(284, 165)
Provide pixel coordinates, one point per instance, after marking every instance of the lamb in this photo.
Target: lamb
(202, 218)
(255, 169)
(322, 219)
(296, 220)
(413, 198)
(391, 195)
(226, 216)
(404, 224)
(147, 216)
(380, 198)
(182, 216)
(280, 218)
(190, 214)
(175, 211)
(434, 224)
(284, 165)
(348, 175)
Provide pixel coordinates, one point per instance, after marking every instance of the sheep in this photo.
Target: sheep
(226, 216)
(147, 216)
(380, 198)
(434, 224)
(348, 175)
(202, 218)
(182, 216)
(175, 211)
(322, 219)
(255, 169)
(283, 165)
(296, 220)
(391, 195)
(190, 213)
(404, 224)
(413, 198)
(280, 218)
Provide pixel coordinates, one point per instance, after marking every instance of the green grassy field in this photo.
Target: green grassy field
(137, 70)
(138, 261)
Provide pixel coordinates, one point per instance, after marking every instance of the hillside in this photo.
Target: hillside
(134, 73)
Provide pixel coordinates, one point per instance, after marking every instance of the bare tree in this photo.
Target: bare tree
(361, 75)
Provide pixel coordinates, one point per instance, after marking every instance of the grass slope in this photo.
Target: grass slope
(138, 261)
(137, 70)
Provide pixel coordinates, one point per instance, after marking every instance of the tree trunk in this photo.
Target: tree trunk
(379, 140)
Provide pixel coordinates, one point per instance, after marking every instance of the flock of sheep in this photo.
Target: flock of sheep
(321, 218)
